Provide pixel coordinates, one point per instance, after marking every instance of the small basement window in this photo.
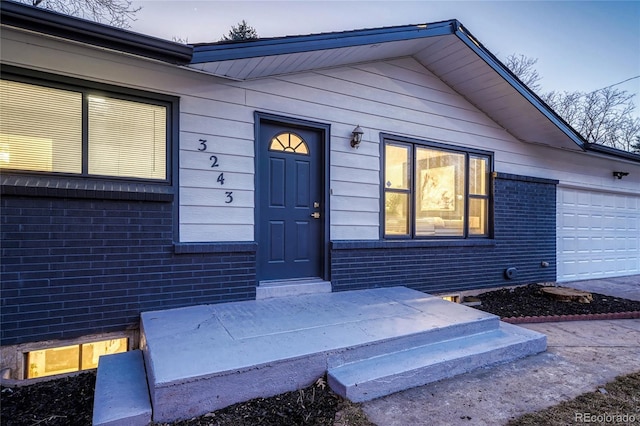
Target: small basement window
(67, 359)
(455, 298)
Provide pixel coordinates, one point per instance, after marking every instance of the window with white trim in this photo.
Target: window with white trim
(434, 190)
(75, 130)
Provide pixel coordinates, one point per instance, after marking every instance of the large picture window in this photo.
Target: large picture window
(73, 130)
(432, 190)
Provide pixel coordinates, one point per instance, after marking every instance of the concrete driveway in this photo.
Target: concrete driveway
(581, 356)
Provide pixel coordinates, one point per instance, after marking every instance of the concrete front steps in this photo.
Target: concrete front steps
(393, 372)
(288, 288)
(370, 342)
(121, 393)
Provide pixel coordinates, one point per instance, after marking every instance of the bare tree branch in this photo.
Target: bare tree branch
(604, 116)
(118, 13)
(523, 68)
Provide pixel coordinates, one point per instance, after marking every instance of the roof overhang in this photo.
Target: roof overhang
(445, 48)
(70, 28)
(239, 50)
(613, 152)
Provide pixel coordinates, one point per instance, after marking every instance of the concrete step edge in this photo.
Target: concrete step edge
(121, 392)
(390, 373)
(400, 343)
(291, 288)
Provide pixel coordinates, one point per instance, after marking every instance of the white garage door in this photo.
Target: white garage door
(598, 234)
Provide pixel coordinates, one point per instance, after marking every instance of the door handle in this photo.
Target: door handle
(315, 215)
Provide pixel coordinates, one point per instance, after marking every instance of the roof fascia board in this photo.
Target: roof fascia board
(603, 149)
(310, 43)
(467, 38)
(68, 27)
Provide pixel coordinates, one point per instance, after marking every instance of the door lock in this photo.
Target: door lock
(316, 204)
(315, 215)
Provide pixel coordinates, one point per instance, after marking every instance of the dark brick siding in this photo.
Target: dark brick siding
(74, 266)
(525, 236)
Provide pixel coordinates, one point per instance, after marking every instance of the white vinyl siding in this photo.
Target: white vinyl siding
(397, 96)
(205, 211)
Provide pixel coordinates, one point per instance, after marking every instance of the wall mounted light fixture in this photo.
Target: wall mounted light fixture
(620, 175)
(356, 136)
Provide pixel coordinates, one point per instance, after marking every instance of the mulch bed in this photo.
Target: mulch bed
(69, 401)
(528, 304)
(314, 405)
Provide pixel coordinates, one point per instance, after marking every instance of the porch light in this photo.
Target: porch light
(619, 175)
(356, 136)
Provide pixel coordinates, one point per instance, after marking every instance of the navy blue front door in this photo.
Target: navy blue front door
(291, 210)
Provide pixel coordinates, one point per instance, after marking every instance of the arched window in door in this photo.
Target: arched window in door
(289, 142)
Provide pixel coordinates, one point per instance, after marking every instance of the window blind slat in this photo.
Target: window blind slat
(40, 128)
(126, 139)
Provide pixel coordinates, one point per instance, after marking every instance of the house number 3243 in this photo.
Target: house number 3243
(202, 146)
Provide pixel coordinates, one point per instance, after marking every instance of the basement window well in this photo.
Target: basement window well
(68, 359)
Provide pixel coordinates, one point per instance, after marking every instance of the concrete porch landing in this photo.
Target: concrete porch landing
(371, 343)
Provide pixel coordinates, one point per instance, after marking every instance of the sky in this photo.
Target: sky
(580, 45)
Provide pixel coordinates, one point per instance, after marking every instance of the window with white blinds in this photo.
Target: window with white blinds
(47, 129)
(126, 139)
(40, 128)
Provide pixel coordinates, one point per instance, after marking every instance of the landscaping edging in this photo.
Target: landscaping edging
(577, 317)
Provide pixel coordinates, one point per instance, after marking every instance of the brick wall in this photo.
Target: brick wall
(76, 266)
(525, 236)
(73, 266)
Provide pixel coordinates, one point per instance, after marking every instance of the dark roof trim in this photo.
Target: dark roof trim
(464, 35)
(602, 149)
(214, 52)
(72, 28)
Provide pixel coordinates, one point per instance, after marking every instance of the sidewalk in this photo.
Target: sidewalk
(581, 356)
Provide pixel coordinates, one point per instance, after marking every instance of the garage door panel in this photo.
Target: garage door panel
(569, 245)
(597, 222)
(597, 234)
(583, 199)
(584, 221)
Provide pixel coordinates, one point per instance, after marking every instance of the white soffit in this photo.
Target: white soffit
(447, 56)
(288, 63)
(469, 75)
